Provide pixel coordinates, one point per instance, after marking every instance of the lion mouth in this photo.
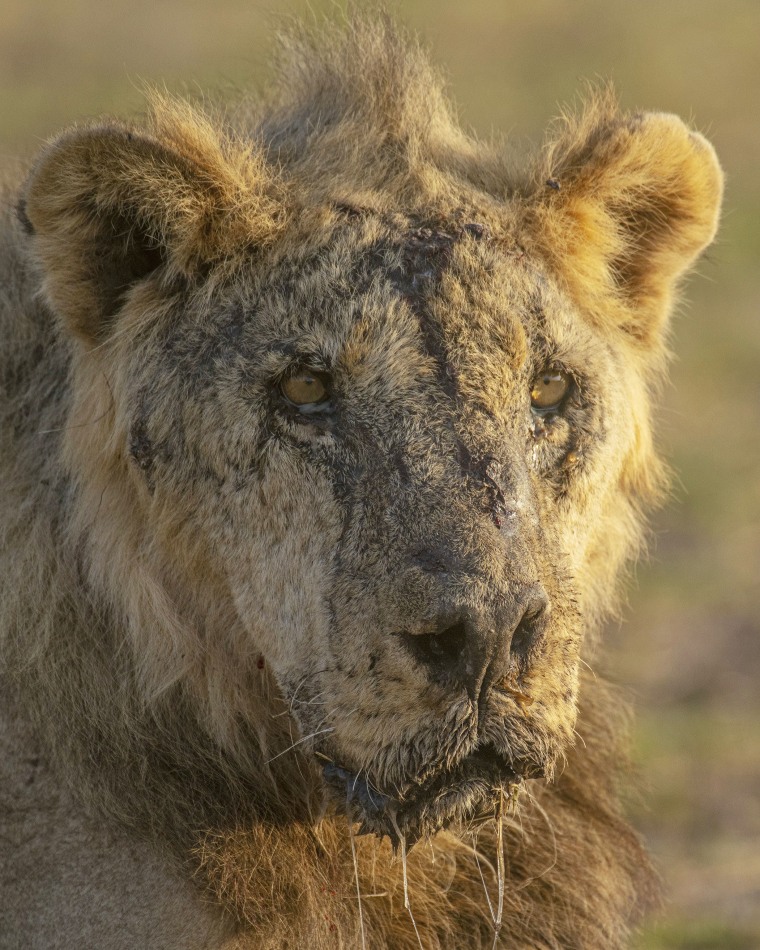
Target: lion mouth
(470, 791)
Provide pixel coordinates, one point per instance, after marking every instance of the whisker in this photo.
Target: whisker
(305, 679)
(549, 824)
(407, 904)
(75, 425)
(476, 855)
(500, 869)
(319, 732)
(301, 702)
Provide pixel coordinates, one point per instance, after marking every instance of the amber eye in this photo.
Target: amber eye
(305, 388)
(549, 389)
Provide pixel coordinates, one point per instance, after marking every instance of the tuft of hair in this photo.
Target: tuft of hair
(360, 108)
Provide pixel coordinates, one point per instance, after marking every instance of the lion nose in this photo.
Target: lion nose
(474, 650)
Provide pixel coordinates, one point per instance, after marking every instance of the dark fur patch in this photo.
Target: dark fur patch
(141, 449)
(21, 215)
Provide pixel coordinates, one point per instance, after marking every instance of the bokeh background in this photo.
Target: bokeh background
(690, 647)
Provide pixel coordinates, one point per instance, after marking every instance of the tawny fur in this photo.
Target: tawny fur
(163, 613)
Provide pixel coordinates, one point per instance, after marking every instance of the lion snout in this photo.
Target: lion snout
(477, 649)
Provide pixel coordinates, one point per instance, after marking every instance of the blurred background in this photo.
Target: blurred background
(690, 646)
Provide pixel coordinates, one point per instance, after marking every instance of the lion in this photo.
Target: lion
(326, 438)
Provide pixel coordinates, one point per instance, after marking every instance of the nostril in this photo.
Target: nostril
(442, 651)
(522, 640)
(530, 629)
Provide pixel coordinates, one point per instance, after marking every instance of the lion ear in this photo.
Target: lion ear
(107, 205)
(623, 206)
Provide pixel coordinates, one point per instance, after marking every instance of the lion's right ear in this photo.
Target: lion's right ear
(106, 205)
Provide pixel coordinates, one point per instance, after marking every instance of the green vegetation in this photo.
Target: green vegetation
(691, 648)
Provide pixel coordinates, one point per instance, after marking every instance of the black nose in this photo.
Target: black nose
(471, 650)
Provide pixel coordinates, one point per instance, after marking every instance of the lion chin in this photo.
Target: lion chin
(474, 790)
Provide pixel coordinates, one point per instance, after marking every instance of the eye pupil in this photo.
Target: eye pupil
(549, 389)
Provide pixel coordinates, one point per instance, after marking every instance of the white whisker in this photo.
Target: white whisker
(476, 855)
(320, 732)
(542, 811)
(500, 869)
(407, 904)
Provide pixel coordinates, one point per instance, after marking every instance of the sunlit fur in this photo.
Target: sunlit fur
(162, 605)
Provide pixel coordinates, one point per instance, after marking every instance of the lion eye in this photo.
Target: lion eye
(305, 388)
(549, 389)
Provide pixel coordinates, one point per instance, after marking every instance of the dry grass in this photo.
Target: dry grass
(691, 648)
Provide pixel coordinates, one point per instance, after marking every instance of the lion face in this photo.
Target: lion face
(390, 467)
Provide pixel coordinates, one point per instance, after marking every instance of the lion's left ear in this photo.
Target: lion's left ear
(622, 208)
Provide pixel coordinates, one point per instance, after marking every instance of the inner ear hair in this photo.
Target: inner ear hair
(129, 253)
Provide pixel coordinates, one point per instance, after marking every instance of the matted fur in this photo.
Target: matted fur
(185, 578)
